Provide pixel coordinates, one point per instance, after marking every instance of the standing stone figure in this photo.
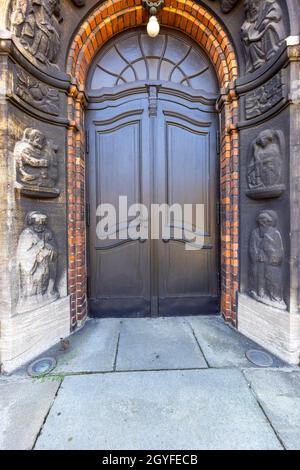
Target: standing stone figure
(36, 24)
(263, 31)
(266, 258)
(36, 264)
(265, 167)
(36, 160)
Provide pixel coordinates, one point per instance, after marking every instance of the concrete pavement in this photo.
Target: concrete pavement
(165, 383)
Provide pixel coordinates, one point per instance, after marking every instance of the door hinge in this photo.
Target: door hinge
(219, 281)
(218, 211)
(218, 143)
(88, 286)
(87, 142)
(87, 214)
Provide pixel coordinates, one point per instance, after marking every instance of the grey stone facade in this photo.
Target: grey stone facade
(33, 169)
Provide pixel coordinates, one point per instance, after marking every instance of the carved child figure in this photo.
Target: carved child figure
(36, 160)
(36, 264)
(266, 257)
(265, 167)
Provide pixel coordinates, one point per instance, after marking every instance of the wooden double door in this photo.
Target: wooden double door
(152, 148)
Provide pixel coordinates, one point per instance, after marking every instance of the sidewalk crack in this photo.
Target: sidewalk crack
(47, 414)
(117, 352)
(260, 405)
(197, 342)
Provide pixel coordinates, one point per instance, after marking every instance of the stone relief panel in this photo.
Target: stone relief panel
(36, 264)
(35, 93)
(228, 5)
(79, 3)
(265, 168)
(36, 165)
(264, 98)
(266, 260)
(36, 24)
(263, 32)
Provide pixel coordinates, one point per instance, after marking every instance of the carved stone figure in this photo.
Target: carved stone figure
(36, 264)
(79, 3)
(263, 31)
(36, 24)
(36, 165)
(265, 169)
(266, 257)
(228, 5)
(35, 93)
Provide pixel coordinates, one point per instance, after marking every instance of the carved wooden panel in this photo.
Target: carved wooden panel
(119, 274)
(188, 280)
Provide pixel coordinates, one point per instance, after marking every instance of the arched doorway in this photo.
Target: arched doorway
(152, 129)
(197, 23)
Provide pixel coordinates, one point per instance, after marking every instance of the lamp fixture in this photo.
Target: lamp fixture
(153, 24)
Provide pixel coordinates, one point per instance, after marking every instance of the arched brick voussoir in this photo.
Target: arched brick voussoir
(114, 16)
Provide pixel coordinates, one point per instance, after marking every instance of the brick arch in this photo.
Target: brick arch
(115, 16)
(105, 21)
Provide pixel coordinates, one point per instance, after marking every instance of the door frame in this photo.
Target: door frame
(207, 31)
(140, 90)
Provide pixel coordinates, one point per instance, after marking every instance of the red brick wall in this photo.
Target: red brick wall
(108, 19)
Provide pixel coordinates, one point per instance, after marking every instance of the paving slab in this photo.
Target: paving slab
(223, 346)
(24, 404)
(156, 344)
(279, 394)
(203, 409)
(92, 349)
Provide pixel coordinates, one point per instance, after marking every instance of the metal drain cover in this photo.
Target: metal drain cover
(41, 367)
(259, 358)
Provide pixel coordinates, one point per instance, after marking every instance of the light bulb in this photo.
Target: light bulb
(153, 27)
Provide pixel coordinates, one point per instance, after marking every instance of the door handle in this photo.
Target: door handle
(166, 240)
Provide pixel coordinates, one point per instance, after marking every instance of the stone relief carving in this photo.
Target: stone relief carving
(228, 5)
(35, 93)
(266, 258)
(36, 264)
(36, 24)
(263, 31)
(265, 169)
(79, 3)
(36, 165)
(265, 97)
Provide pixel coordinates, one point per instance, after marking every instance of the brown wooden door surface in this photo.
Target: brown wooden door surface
(154, 142)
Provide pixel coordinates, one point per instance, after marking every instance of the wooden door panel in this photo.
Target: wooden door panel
(119, 273)
(118, 166)
(187, 172)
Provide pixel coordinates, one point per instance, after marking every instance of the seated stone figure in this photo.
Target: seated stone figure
(266, 258)
(263, 32)
(36, 264)
(36, 24)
